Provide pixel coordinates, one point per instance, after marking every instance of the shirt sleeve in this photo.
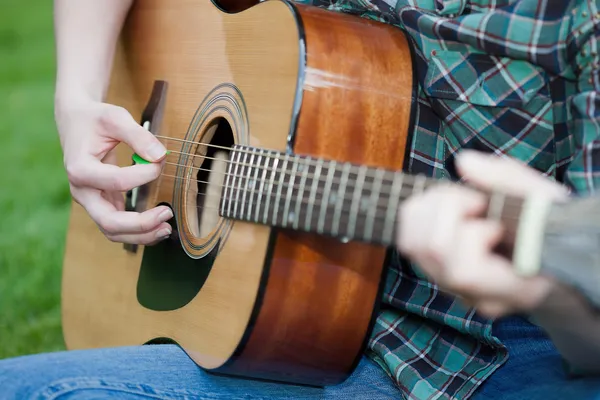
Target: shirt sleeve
(573, 324)
(583, 174)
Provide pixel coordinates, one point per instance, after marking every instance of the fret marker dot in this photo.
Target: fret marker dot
(250, 184)
(291, 217)
(344, 239)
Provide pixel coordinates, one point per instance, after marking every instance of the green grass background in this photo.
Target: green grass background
(34, 194)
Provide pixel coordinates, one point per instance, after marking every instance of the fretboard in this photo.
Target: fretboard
(350, 202)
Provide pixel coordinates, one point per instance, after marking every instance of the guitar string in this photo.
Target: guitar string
(507, 212)
(344, 210)
(377, 217)
(285, 174)
(306, 161)
(366, 184)
(272, 154)
(273, 196)
(411, 182)
(359, 228)
(411, 179)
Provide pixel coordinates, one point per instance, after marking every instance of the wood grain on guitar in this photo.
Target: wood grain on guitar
(253, 291)
(274, 304)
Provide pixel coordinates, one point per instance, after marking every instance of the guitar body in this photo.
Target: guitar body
(244, 299)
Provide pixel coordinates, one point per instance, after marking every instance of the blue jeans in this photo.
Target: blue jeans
(534, 371)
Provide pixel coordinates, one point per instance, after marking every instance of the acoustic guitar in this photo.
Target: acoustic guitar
(300, 120)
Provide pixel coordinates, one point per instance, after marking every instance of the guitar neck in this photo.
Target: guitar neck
(347, 201)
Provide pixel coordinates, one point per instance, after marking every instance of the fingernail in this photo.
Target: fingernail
(156, 151)
(163, 233)
(165, 215)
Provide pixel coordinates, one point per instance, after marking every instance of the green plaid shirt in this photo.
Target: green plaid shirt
(515, 77)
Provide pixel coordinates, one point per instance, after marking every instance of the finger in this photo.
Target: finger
(472, 270)
(91, 172)
(111, 157)
(505, 174)
(428, 222)
(125, 129)
(116, 199)
(113, 222)
(485, 277)
(454, 206)
(160, 233)
(492, 309)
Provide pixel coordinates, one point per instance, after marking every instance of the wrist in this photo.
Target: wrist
(66, 100)
(68, 94)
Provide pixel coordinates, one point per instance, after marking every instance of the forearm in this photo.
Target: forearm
(571, 316)
(86, 34)
(574, 327)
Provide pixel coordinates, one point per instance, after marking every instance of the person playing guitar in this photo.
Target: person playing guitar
(515, 78)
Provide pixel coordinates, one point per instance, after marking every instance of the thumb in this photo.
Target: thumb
(142, 141)
(504, 174)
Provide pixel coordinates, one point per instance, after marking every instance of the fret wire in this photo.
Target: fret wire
(326, 195)
(341, 198)
(288, 198)
(304, 170)
(255, 183)
(279, 189)
(226, 190)
(262, 185)
(234, 189)
(356, 196)
(313, 193)
(375, 193)
(271, 182)
(393, 204)
(247, 183)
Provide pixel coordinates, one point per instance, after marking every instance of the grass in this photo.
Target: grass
(34, 194)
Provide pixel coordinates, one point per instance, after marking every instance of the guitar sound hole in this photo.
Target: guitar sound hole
(204, 216)
(235, 6)
(166, 268)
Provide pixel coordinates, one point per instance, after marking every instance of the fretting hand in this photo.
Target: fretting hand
(443, 231)
(89, 133)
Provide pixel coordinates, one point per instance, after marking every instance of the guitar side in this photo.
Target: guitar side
(300, 311)
(322, 294)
